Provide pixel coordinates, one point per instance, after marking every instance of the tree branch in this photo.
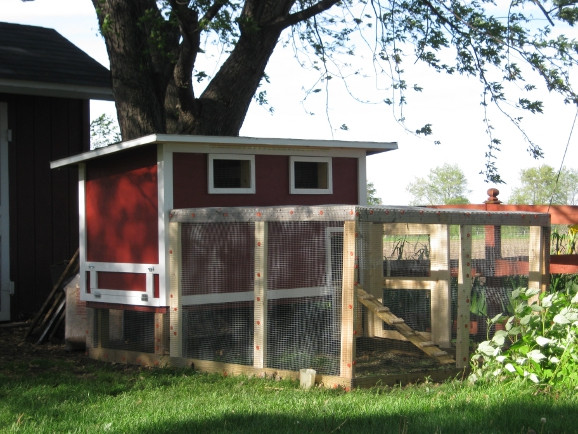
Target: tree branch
(305, 14)
(213, 10)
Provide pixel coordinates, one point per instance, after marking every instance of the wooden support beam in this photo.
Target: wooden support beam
(155, 360)
(465, 281)
(372, 278)
(538, 272)
(260, 293)
(440, 297)
(346, 368)
(175, 294)
(161, 335)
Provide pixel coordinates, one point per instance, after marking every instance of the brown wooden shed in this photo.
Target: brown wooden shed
(46, 84)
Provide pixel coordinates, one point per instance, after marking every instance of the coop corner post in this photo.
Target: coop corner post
(373, 276)
(537, 256)
(346, 369)
(175, 295)
(260, 289)
(465, 280)
(441, 298)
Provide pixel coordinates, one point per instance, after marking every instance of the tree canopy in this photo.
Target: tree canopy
(544, 186)
(445, 185)
(372, 197)
(194, 67)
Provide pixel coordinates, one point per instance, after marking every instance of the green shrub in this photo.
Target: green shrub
(538, 343)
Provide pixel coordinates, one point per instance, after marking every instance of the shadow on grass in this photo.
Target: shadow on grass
(509, 418)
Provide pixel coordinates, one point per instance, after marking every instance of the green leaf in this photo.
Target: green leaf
(486, 348)
(500, 337)
(510, 368)
(536, 356)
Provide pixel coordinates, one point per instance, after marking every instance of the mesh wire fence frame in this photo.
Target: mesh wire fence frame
(336, 288)
(127, 330)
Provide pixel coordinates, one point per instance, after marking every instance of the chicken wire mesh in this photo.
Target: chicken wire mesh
(351, 292)
(126, 329)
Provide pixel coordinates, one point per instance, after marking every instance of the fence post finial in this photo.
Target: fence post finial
(493, 196)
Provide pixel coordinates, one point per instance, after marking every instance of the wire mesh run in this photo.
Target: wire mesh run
(355, 293)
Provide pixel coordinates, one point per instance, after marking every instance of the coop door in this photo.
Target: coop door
(5, 284)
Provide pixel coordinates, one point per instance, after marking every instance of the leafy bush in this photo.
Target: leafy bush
(538, 343)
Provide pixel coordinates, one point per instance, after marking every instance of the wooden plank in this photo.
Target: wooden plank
(408, 229)
(560, 214)
(437, 375)
(465, 281)
(346, 368)
(563, 264)
(55, 293)
(537, 272)
(397, 336)
(418, 283)
(407, 332)
(175, 294)
(440, 297)
(260, 293)
(152, 360)
(373, 274)
(161, 335)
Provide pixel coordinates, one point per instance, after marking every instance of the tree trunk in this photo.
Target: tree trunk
(152, 60)
(140, 70)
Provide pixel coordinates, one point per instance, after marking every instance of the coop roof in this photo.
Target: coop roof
(39, 61)
(189, 140)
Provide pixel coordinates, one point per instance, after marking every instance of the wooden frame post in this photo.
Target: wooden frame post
(346, 368)
(175, 304)
(441, 296)
(465, 282)
(161, 341)
(102, 328)
(373, 276)
(260, 289)
(537, 256)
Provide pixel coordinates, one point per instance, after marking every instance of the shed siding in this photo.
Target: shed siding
(43, 203)
(190, 188)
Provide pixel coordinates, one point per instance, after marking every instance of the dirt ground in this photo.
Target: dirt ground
(13, 347)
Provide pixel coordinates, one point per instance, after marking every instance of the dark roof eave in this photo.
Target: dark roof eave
(20, 87)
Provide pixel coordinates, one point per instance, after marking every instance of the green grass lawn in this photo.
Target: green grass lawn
(45, 395)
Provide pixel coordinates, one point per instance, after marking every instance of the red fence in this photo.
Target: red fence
(559, 215)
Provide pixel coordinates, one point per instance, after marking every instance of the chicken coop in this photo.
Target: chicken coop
(362, 295)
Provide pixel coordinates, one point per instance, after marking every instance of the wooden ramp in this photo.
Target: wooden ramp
(406, 331)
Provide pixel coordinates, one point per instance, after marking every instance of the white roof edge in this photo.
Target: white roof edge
(369, 147)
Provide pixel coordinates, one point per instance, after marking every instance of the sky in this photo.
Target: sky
(450, 104)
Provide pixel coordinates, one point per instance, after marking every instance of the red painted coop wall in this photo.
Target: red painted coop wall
(122, 215)
(271, 179)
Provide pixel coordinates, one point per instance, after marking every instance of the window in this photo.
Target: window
(310, 175)
(231, 174)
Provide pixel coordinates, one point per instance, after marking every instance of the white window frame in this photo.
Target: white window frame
(326, 160)
(241, 190)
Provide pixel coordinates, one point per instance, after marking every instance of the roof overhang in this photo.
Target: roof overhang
(370, 148)
(59, 90)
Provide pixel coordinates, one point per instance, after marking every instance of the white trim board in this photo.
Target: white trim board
(192, 143)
